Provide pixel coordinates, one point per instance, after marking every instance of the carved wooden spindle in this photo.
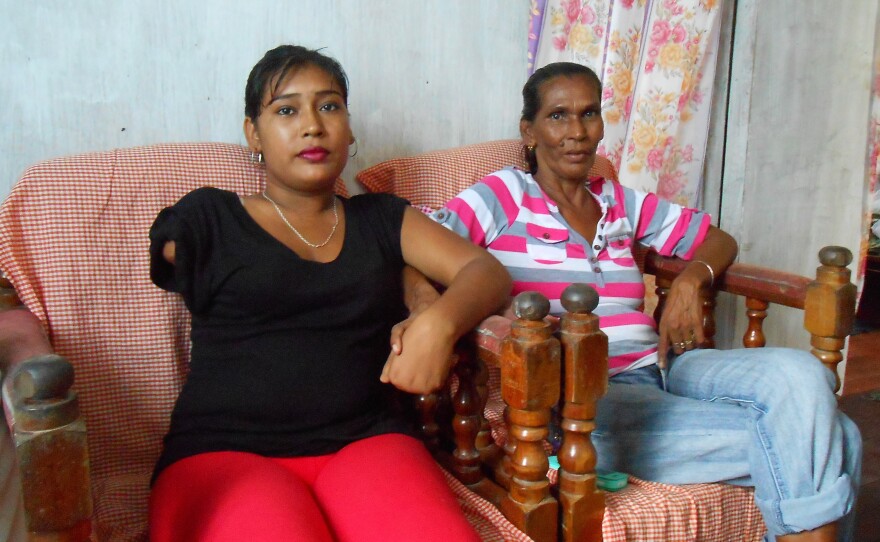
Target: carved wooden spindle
(504, 469)
(585, 349)
(530, 365)
(485, 444)
(829, 307)
(708, 298)
(427, 406)
(467, 421)
(756, 311)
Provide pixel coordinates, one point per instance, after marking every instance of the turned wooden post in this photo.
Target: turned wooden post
(47, 430)
(708, 297)
(585, 349)
(51, 449)
(830, 307)
(467, 421)
(427, 406)
(489, 451)
(756, 311)
(530, 374)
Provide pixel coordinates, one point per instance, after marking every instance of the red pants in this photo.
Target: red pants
(385, 488)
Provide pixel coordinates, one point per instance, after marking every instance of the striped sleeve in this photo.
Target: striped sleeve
(484, 211)
(670, 229)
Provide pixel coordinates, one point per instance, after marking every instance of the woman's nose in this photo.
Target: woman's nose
(312, 125)
(576, 129)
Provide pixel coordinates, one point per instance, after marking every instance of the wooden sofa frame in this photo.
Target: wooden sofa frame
(532, 355)
(50, 438)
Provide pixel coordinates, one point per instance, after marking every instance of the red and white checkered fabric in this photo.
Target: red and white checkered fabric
(433, 178)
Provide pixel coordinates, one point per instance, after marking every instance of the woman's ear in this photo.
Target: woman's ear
(251, 134)
(525, 131)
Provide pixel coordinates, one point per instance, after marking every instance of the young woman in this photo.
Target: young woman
(286, 427)
(763, 417)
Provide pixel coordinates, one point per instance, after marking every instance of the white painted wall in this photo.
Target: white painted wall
(100, 74)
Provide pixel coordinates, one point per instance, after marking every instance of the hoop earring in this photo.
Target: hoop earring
(355, 149)
(530, 148)
(256, 157)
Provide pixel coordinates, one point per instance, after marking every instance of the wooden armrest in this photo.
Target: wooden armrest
(741, 279)
(828, 301)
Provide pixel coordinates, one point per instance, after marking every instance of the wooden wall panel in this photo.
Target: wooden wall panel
(795, 146)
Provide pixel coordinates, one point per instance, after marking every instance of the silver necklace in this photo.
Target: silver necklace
(294, 230)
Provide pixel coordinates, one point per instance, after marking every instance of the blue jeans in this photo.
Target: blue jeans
(764, 417)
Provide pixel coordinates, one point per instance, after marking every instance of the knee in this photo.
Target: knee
(798, 371)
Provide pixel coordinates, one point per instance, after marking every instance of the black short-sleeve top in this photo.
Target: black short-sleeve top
(286, 352)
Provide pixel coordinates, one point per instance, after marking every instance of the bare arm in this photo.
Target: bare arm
(418, 292)
(476, 286)
(168, 252)
(682, 319)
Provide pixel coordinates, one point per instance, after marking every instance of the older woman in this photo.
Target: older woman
(674, 413)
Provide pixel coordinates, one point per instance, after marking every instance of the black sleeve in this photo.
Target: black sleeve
(385, 215)
(187, 223)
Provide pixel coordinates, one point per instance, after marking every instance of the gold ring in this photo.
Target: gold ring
(688, 342)
(679, 345)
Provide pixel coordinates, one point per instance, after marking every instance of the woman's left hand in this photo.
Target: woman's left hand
(681, 325)
(421, 366)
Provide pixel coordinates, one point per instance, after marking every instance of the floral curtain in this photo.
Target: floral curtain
(656, 59)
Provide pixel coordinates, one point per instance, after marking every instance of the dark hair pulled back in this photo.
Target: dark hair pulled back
(274, 67)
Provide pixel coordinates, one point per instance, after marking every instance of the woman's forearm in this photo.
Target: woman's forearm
(712, 257)
(478, 290)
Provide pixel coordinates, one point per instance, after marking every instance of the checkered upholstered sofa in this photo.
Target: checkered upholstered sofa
(74, 249)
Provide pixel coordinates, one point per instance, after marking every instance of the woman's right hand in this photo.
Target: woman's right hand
(422, 365)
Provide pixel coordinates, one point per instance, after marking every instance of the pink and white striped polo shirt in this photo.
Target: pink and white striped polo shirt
(508, 214)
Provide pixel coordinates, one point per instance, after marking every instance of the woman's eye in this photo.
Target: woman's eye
(332, 106)
(286, 111)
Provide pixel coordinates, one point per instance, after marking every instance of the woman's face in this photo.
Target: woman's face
(566, 130)
(303, 130)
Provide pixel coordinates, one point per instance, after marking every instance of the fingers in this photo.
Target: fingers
(679, 340)
(385, 377)
(662, 348)
(685, 341)
(397, 336)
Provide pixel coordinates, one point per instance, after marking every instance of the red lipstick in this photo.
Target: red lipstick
(314, 154)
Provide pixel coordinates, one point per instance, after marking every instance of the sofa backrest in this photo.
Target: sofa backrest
(433, 178)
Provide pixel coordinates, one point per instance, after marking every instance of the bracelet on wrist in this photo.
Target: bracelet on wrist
(711, 272)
